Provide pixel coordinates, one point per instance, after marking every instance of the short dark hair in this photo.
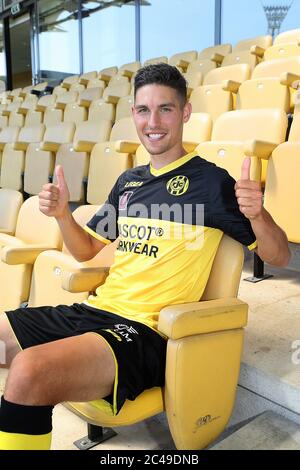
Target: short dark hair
(161, 74)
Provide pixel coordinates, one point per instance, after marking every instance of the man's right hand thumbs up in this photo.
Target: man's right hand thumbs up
(54, 198)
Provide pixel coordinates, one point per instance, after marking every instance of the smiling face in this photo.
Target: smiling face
(159, 115)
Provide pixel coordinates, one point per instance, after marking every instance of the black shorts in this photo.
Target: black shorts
(139, 351)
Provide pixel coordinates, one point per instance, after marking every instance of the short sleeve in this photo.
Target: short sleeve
(224, 212)
(104, 224)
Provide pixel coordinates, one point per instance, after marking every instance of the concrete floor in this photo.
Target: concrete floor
(274, 325)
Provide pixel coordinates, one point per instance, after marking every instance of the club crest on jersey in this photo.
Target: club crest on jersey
(178, 185)
(123, 201)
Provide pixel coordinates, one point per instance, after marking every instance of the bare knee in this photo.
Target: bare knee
(9, 347)
(25, 383)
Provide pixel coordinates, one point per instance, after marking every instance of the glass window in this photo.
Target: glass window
(242, 20)
(58, 38)
(2, 59)
(172, 26)
(248, 18)
(108, 34)
(20, 50)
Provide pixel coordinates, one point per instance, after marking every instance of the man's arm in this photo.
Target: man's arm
(272, 243)
(54, 201)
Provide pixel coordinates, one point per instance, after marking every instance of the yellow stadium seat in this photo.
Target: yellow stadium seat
(286, 70)
(99, 110)
(50, 265)
(292, 35)
(107, 73)
(156, 60)
(211, 97)
(239, 133)
(205, 339)
(40, 157)
(35, 233)
(13, 158)
(10, 203)
(74, 157)
(208, 52)
(281, 51)
(124, 106)
(75, 113)
(182, 59)
(282, 190)
(69, 81)
(127, 70)
(86, 77)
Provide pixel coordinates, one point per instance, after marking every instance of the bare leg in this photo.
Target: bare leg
(79, 368)
(9, 347)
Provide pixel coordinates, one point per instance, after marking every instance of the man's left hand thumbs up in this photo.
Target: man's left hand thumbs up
(248, 193)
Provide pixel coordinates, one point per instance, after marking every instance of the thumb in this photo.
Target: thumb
(60, 177)
(245, 174)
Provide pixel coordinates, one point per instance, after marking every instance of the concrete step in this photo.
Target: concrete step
(269, 431)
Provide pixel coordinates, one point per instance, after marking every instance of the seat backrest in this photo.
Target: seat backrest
(292, 35)
(88, 134)
(124, 107)
(240, 57)
(121, 89)
(35, 227)
(124, 129)
(282, 51)
(201, 65)
(132, 66)
(75, 113)
(198, 128)
(237, 72)
(10, 203)
(274, 68)
(8, 135)
(263, 93)
(246, 44)
(100, 110)
(58, 134)
(226, 270)
(156, 60)
(222, 49)
(106, 165)
(189, 56)
(118, 80)
(282, 190)
(251, 124)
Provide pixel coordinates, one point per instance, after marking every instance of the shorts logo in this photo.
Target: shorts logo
(178, 185)
(123, 201)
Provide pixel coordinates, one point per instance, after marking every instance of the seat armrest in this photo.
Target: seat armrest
(126, 146)
(288, 78)
(103, 76)
(258, 51)
(217, 58)
(189, 146)
(183, 64)
(112, 99)
(127, 73)
(259, 148)
(211, 316)
(84, 279)
(231, 85)
(22, 254)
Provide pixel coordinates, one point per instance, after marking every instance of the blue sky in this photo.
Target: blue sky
(167, 27)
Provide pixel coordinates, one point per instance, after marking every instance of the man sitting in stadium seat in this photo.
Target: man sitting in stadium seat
(169, 217)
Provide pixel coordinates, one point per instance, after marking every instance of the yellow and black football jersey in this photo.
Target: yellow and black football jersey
(169, 223)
